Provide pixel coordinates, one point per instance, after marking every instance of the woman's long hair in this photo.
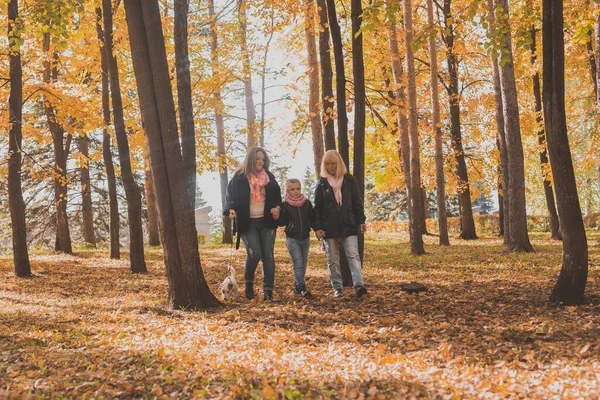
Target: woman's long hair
(341, 166)
(249, 163)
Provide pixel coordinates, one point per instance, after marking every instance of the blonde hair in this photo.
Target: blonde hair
(248, 165)
(341, 166)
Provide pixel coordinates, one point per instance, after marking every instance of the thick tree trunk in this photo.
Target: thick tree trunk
(115, 247)
(415, 200)
(62, 147)
(153, 237)
(184, 95)
(87, 209)
(340, 82)
(571, 282)
(519, 239)
(437, 128)
(187, 285)
(326, 76)
(132, 191)
(358, 71)
(467, 223)
(313, 79)
(15, 139)
(549, 194)
(219, 122)
(597, 51)
(247, 74)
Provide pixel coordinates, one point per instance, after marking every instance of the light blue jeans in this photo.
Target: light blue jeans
(350, 244)
(259, 242)
(298, 249)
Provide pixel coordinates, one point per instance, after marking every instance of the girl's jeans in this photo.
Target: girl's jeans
(259, 242)
(333, 260)
(298, 249)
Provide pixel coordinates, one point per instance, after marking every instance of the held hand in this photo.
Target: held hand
(232, 214)
(275, 212)
(363, 228)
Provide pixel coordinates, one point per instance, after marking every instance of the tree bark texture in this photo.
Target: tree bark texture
(133, 193)
(592, 63)
(340, 82)
(358, 71)
(153, 237)
(597, 51)
(326, 76)
(87, 210)
(467, 223)
(570, 286)
(415, 199)
(263, 80)
(187, 285)
(247, 74)
(15, 139)
(519, 238)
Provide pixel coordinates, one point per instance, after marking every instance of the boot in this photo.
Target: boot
(268, 295)
(250, 290)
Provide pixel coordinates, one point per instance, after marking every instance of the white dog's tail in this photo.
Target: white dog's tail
(231, 271)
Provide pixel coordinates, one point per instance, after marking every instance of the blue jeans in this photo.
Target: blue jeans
(259, 242)
(298, 249)
(333, 261)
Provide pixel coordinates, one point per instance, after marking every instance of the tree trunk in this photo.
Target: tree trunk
(132, 191)
(62, 147)
(340, 82)
(263, 80)
(153, 237)
(571, 282)
(592, 64)
(86, 193)
(358, 71)
(187, 285)
(247, 74)
(115, 247)
(326, 76)
(313, 78)
(15, 139)
(467, 223)
(219, 122)
(519, 239)
(415, 200)
(184, 95)
(549, 194)
(597, 50)
(437, 128)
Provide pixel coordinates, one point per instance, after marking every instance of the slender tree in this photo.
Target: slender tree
(187, 285)
(597, 51)
(326, 76)
(247, 73)
(358, 71)
(263, 78)
(153, 236)
(571, 282)
(15, 139)
(87, 209)
(133, 193)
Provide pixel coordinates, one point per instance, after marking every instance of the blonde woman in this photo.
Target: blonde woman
(340, 212)
(253, 199)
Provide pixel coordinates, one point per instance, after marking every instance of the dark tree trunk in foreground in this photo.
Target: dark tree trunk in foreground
(467, 223)
(340, 82)
(187, 285)
(358, 70)
(219, 121)
(15, 139)
(571, 282)
(115, 247)
(549, 194)
(153, 237)
(184, 95)
(87, 209)
(597, 51)
(326, 76)
(133, 193)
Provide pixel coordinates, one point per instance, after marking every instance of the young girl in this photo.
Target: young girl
(340, 212)
(298, 218)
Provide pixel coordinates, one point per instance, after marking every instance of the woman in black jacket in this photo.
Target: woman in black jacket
(340, 212)
(253, 199)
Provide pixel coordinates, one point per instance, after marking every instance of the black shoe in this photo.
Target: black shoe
(302, 292)
(360, 291)
(337, 293)
(250, 290)
(268, 295)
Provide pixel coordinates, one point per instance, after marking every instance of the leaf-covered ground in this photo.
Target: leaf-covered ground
(86, 327)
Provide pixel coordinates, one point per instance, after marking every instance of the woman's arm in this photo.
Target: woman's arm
(230, 198)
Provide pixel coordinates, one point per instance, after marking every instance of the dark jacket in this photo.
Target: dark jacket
(298, 220)
(339, 221)
(238, 199)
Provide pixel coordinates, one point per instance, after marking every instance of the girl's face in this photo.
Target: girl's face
(331, 166)
(260, 161)
(294, 190)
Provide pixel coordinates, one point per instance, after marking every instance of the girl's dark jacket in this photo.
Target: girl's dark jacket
(339, 221)
(298, 220)
(238, 199)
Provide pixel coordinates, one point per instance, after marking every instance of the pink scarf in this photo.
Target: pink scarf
(336, 185)
(295, 202)
(258, 181)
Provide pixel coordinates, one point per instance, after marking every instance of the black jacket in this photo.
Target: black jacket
(238, 199)
(298, 220)
(339, 221)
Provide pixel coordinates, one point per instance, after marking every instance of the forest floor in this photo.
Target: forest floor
(85, 327)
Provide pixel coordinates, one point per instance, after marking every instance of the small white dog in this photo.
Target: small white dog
(229, 287)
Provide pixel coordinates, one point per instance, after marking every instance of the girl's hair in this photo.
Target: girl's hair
(341, 166)
(292, 180)
(249, 163)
